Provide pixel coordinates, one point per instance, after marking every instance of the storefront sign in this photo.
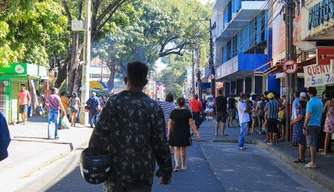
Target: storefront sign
(318, 75)
(14, 69)
(320, 12)
(324, 55)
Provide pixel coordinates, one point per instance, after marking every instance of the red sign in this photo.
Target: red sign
(324, 55)
(290, 67)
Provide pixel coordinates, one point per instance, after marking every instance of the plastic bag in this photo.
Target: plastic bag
(65, 123)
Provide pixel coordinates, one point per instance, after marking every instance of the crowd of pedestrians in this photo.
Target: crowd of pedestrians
(312, 119)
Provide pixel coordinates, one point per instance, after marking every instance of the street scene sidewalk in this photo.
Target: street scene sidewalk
(30, 149)
(324, 174)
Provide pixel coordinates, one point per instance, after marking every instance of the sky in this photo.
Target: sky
(160, 65)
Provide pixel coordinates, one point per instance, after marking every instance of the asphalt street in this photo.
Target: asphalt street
(211, 166)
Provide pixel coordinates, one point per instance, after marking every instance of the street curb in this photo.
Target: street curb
(55, 158)
(314, 175)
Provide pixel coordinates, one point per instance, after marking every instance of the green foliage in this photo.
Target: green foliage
(29, 31)
(174, 75)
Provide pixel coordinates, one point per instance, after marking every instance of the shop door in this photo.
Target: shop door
(2, 98)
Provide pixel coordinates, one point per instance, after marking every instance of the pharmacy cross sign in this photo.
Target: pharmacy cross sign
(290, 67)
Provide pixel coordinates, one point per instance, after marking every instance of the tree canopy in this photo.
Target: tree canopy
(156, 28)
(26, 27)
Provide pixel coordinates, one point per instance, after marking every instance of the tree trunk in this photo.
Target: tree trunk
(75, 60)
(33, 97)
(111, 81)
(77, 80)
(62, 72)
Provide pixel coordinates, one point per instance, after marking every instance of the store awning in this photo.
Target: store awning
(270, 68)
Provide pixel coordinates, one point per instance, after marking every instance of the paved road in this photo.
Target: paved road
(253, 170)
(211, 167)
(64, 175)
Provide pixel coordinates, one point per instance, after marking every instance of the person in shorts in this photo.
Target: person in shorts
(23, 101)
(221, 115)
(75, 105)
(311, 127)
(272, 114)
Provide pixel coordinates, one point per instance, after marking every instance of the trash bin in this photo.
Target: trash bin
(29, 111)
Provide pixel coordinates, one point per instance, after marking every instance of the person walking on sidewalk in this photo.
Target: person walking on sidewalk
(5, 137)
(272, 115)
(298, 135)
(196, 107)
(329, 122)
(75, 105)
(23, 99)
(167, 107)
(94, 109)
(243, 111)
(131, 130)
(180, 121)
(53, 103)
(221, 116)
(312, 124)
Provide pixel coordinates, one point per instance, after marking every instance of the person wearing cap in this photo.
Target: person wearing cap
(272, 115)
(312, 124)
(94, 109)
(303, 96)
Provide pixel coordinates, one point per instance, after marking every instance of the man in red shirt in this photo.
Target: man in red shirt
(24, 102)
(196, 107)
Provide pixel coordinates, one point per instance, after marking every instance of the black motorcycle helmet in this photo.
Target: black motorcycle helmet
(95, 169)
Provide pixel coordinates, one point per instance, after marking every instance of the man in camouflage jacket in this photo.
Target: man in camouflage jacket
(132, 129)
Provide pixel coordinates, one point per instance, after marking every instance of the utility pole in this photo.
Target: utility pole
(290, 54)
(198, 58)
(193, 73)
(212, 67)
(85, 67)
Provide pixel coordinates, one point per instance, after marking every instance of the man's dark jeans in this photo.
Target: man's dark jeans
(197, 118)
(93, 117)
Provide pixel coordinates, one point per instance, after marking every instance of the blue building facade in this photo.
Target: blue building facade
(241, 41)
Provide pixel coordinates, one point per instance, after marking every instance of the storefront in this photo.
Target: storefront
(11, 78)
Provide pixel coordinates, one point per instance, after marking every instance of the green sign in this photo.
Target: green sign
(14, 69)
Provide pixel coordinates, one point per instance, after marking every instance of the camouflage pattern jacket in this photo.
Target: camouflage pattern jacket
(132, 129)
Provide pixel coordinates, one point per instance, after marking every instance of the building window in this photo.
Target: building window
(229, 54)
(235, 45)
(263, 26)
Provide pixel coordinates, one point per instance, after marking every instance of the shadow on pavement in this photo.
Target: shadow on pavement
(198, 177)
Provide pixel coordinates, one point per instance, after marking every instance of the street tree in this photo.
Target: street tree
(156, 29)
(26, 28)
(102, 13)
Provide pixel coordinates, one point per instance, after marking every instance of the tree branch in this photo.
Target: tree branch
(80, 10)
(110, 8)
(163, 45)
(176, 50)
(99, 27)
(67, 10)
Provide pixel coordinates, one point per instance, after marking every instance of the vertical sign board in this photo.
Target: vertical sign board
(318, 75)
(324, 55)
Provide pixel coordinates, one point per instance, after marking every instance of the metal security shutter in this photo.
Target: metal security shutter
(15, 111)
